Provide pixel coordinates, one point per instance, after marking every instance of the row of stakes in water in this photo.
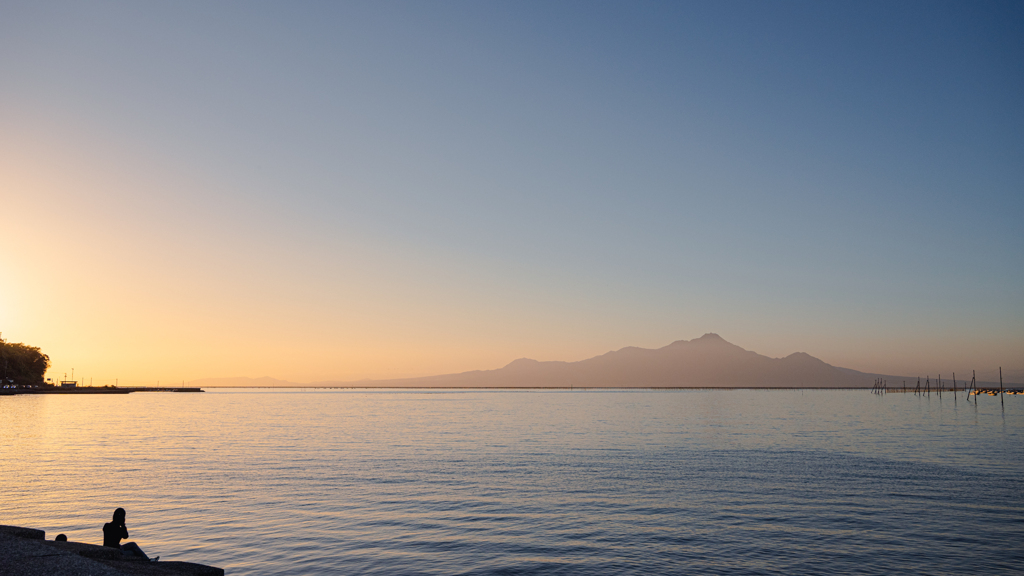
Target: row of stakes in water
(882, 387)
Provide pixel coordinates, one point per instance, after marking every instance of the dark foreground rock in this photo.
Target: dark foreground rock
(26, 552)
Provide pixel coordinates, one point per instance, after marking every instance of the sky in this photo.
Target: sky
(343, 190)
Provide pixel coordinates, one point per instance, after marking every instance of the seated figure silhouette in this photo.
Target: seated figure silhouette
(115, 531)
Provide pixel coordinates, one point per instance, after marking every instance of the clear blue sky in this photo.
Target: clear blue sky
(387, 189)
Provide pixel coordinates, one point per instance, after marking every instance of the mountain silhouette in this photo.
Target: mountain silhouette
(708, 361)
(705, 362)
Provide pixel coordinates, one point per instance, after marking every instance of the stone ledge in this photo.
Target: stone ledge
(18, 531)
(26, 552)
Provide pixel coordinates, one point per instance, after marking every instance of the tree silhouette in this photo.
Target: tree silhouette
(22, 364)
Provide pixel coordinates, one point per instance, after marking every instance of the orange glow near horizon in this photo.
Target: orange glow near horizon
(138, 299)
(124, 265)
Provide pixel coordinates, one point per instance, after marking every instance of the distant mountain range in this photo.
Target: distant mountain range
(705, 362)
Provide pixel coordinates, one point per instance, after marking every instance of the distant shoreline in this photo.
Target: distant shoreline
(543, 387)
(981, 386)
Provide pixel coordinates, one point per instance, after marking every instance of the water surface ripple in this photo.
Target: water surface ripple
(528, 482)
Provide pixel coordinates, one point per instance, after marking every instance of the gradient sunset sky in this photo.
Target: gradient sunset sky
(316, 191)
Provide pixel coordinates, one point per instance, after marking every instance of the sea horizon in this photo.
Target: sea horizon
(556, 288)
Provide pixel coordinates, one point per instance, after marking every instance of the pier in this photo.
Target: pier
(91, 390)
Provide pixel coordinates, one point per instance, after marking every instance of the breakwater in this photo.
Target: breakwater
(92, 390)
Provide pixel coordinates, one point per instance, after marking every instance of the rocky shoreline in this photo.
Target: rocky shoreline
(27, 552)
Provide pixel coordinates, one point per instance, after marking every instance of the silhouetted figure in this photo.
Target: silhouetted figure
(60, 538)
(115, 531)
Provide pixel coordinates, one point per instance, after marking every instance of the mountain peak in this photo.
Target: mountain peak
(709, 338)
(803, 357)
(522, 363)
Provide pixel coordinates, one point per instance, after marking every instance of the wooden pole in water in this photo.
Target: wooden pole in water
(1001, 386)
(954, 388)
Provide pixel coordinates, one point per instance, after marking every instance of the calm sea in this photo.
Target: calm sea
(529, 482)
